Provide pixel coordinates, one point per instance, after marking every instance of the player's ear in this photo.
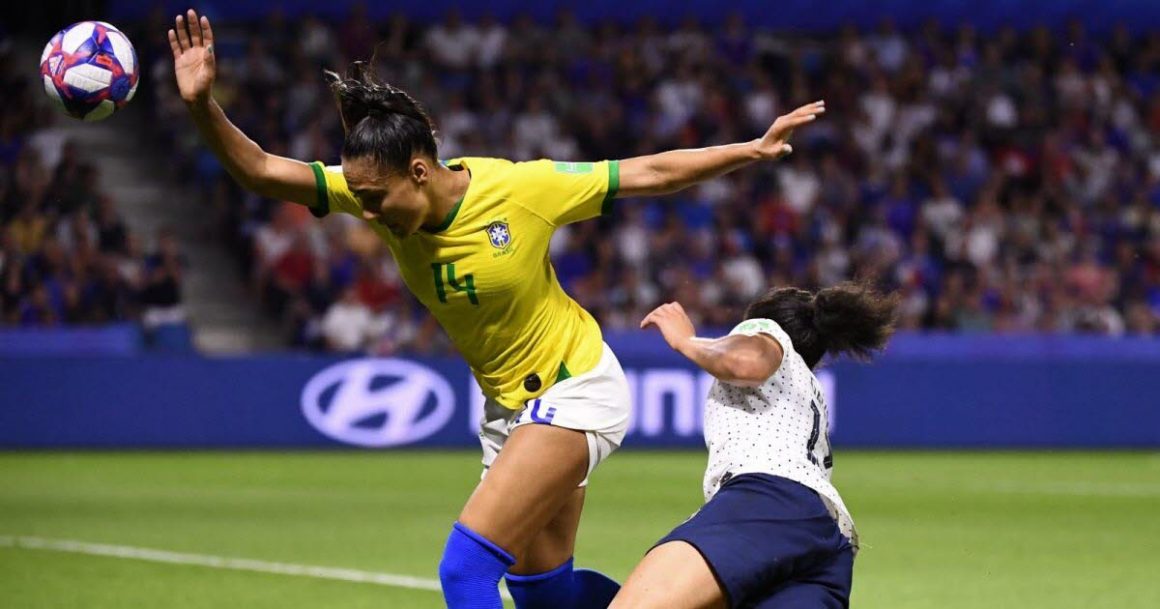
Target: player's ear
(420, 170)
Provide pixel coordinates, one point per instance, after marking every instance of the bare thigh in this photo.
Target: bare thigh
(673, 575)
(534, 477)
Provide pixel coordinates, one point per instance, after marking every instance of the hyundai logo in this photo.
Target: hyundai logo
(377, 402)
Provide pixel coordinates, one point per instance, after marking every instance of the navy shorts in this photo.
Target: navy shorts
(772, 544)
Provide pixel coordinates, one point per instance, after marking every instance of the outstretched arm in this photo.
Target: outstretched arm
(747, 361)
(256, 170)
(668, 172)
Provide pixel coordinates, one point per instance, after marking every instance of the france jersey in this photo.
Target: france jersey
(778, 428)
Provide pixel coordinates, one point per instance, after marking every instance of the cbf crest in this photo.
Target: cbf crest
(499, 235)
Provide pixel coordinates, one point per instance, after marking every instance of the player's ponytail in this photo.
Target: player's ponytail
(849, 318)
(380, 120)
(854, 320)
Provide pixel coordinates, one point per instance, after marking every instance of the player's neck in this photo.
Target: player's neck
(448, 189)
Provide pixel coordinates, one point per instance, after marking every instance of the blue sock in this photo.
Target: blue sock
(471, 569)
(562, 588)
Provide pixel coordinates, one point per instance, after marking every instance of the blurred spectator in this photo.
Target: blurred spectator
(348, 324)
(453, 44)
(492, 42)
(1001, 183)
(161, 293)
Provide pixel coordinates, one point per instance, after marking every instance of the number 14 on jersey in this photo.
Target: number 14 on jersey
(446, 272)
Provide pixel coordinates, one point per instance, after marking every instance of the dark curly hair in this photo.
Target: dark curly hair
(380, 120)
(849, 318)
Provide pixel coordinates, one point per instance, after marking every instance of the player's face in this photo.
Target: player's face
(395, 200)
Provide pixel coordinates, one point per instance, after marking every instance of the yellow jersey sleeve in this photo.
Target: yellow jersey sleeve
(564, 192)
(332, 192)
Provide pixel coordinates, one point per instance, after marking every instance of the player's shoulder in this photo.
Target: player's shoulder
(480, 162)
(333, 192)
(761, 325)
(758, 325)
(549, 167)
(481, 166)
(332, 176)
(487, 173)
(491, 180)
(503, 180)
(524, 175)
(330, 171)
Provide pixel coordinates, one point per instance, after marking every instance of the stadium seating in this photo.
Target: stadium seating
(1002, 184)
(67, 257)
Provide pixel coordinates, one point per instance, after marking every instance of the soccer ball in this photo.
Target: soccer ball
(89, 70)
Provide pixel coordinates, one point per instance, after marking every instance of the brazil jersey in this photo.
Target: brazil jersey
(485, 272)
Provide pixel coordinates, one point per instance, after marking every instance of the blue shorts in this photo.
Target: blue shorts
(772, 544)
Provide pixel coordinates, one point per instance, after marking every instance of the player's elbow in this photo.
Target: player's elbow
(248, 177)
(259, 184)
(252, 172)
(664, 182)
(643, 177)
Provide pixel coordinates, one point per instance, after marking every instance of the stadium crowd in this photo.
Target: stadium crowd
(1007, 182)
(66, 255)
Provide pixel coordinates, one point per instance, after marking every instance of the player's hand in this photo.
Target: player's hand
(775, 143)
(193, 59)
(673, 323)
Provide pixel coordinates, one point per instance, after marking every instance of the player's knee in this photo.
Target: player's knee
(471, 568)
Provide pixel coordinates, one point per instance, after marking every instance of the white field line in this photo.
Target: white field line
(1015, 487)
(1078, 489)
(223, 562)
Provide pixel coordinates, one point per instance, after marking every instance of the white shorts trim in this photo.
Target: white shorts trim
(597, 402)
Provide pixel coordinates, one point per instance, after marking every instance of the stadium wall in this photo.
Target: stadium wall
(799, 15)
(927, 392)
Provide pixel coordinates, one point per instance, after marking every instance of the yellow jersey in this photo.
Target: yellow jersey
(485, 272)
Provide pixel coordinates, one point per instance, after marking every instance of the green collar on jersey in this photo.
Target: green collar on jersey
(448, 220)
(455, 208)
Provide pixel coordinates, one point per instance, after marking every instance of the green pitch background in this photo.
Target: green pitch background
(945, 530)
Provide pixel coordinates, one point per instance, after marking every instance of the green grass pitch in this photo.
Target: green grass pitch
(939, 530)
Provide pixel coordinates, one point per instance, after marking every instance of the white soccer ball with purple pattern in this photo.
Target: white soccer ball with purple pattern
(89, 70)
